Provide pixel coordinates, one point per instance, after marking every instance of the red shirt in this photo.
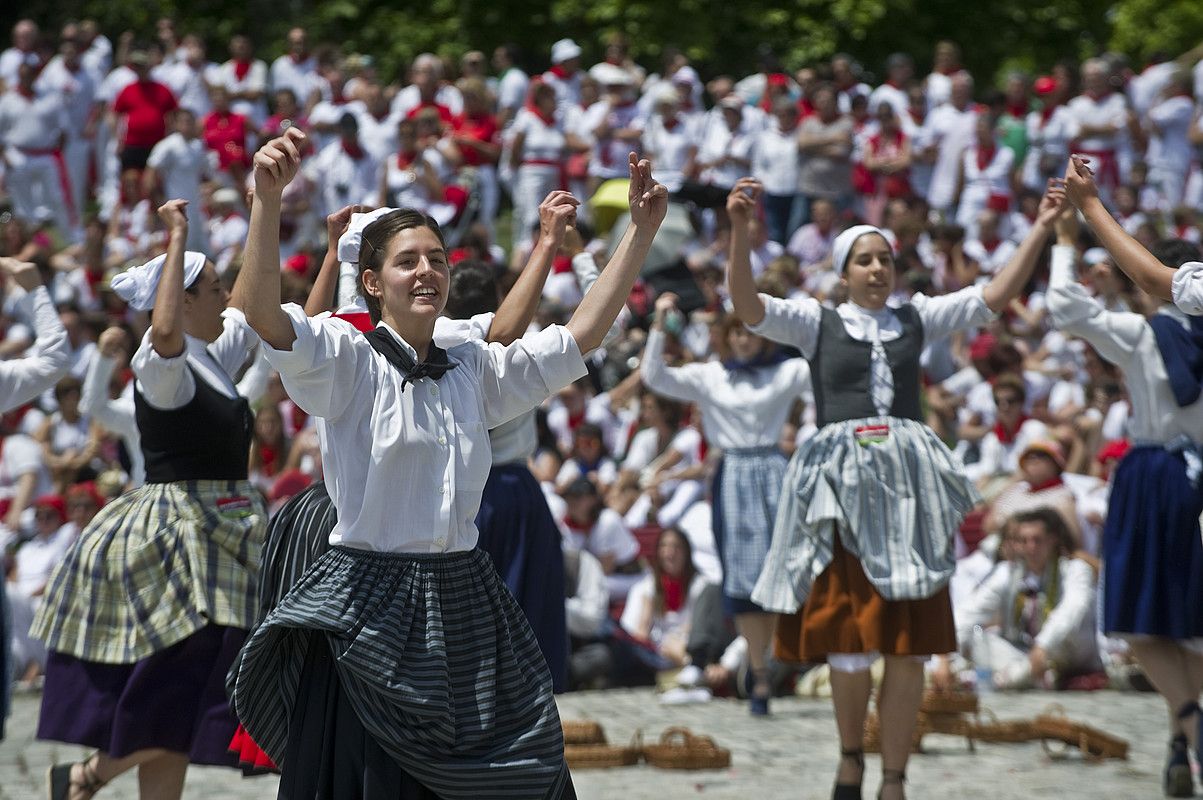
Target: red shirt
(225, 134)
(482, 129)
(145, 105)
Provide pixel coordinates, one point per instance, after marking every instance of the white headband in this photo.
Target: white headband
(349, 242)
(138, 286)
(842, 245)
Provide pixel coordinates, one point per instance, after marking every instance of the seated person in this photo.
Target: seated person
(661, 476)
(588, 459)
(1010, 435)
(1037, 613)
(588, 525)
(1041, 484)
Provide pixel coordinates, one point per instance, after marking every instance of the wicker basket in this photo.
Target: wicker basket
(680, 748)
(1094, 744)
(1004, 731)
(953, 701)
(604, 756)
(582, 731)
(951, 724)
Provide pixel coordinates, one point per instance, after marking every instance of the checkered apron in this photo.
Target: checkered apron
(153, 567)
(749, 484)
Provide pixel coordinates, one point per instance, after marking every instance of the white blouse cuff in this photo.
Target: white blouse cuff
(1187, 288)
(301, 355)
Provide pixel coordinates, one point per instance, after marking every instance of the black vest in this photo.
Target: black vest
(840, 370)
(207, 439)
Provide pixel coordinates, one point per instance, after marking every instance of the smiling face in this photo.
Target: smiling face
(412, 279)
(204, 301)
(869, 272)
(744, 344)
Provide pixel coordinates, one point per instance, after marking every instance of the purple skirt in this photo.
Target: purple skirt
(175, 700)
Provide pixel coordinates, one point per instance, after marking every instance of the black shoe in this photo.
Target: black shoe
(1177, 780)
(1187, 710)
(850, 791)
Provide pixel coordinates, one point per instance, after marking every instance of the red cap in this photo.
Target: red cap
(1048, 448)
(298, 263)
(55, 502)
(778, 79)
(88, 489)
(1045, 84)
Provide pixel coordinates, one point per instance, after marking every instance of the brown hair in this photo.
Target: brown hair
(375, 240)
(658, 571)
(1009, 380)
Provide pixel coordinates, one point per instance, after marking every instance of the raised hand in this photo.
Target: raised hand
(1080, 185)
(1052, 204)
(338, 222)
(648, 199)
(742, 200)
(1066, 225)
(666, 302)
(111, 343)
(557, 213)
(174, 217)
(277, 162)
(23, 273)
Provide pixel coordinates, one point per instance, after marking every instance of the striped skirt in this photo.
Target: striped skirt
(896, 504)
(435, 657)
(747, 485)
(1152, 554)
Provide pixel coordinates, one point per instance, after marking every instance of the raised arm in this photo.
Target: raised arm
(556, 213)
(276, 164)
(321, 296)
(600, 307)
(1130, 255)
(23, 379)
(1011, 279)
(741, 205)
(167, 324)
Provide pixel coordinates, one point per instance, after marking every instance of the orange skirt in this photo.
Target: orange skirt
(844, 613)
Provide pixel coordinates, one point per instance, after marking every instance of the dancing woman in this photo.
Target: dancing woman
(862, 547)
(399, 666)
(148, 609)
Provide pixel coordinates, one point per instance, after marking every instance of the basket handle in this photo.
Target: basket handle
(683, 734)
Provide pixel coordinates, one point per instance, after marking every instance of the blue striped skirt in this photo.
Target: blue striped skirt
(436, 659)
(896, 503)
(1152, 554)
(744, 506)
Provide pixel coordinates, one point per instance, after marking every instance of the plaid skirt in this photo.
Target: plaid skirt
(747, 486)
(154, 567)
(437, 660)
(896, 501)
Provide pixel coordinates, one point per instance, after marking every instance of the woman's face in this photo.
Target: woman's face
(869, 272)
(744, 344)
(413, 279)
(1009, 405)
(1038, 468)
(268, 425)
(650, 411)
(671, 552)
(589, 448)
(545, 102)
(205, 302)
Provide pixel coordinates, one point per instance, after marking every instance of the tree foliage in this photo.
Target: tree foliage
(718, 35)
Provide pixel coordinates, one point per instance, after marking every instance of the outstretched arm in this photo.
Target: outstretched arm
(1009, 282)
(600, 307)
(321, 296)
(276, 164)
(167, 325)
(741, 206)
(556, 213)
(1130, 255)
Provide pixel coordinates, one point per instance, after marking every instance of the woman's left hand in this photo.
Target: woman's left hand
(648, 199)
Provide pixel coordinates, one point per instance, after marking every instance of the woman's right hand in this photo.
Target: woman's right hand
(338, 222)
(277, 162)
(174, 217)
(665, 303)
(742, 200)
(111, 342)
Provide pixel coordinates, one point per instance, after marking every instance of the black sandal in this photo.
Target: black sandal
(1193, 708)
(850, 791)
(891, 776)
(1177, 781)
(59, 781)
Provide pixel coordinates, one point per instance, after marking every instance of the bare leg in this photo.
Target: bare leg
(850, 696)
(901, 694)
(758, 630)
(1176, 673)
(105, 768)
(162, 778)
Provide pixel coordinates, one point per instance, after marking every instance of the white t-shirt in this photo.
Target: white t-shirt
(182, 164)
(608, 537)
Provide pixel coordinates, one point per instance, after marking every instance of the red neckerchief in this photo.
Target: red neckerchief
(671, 125)
(405, 159)
(241, 69)
(1046, 113)
(805, 108)
(948, 70)
(916, 116)
(1051, 483)
(560, 265)
(28, 94)
(877, 139)
(579, 527)
(1019, 110)
(268, 454)
(1096, 97)
(559, 72)
(674, 593)
(352, 149)
(985, 156)
(894, 85)
(574, 420)
(991, 244)
(1005, 436)
(297, 59)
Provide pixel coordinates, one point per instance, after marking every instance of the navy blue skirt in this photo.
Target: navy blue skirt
(174, 699)
(1152, 553)
(520, 535)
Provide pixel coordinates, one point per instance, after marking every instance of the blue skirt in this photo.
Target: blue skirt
(747, 485)
(519, 533)
(1152, 553)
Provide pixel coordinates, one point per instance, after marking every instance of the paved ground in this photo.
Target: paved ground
(791, 755)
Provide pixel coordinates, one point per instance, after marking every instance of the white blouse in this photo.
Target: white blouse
(739, 409)
(406, 468)
(1126, 340)
(23, 379)
(167, 383)
(1187, 288)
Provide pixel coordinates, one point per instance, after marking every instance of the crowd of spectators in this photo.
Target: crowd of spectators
(97, 135)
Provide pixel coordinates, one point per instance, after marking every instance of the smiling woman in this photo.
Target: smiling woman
(363, 680)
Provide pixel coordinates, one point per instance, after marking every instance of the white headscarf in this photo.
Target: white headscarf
(349, 242)
(138, 286)
(842, 245)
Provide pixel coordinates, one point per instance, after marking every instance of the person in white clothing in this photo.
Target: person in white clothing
(952, 127)
(33, 131)
(66, 75)
(538, 147)
(946, 70)
(1050, 131)
(614, 123)
(985, 180)
(190, 77)
(23, 51)
(427, 89)
(297, 70)
(512, 84)
(900, 68)
(1170, 151)
(177, 165)
(114, 414)
(565, 75)
(988, 249)
(588, 525)
(669, 139)
(1037, 611)
(1101, 116)
(345, 173)
(776, 164)
(245, 78)
(398, 517)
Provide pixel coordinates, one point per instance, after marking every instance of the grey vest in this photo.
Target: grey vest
(840, 370)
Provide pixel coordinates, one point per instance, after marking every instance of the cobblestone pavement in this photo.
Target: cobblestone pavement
(790, 755)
